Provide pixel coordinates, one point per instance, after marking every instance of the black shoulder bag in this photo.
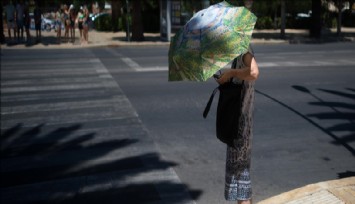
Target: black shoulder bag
(228, 111)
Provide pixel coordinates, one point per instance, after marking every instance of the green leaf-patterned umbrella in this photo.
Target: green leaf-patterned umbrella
(211, 39)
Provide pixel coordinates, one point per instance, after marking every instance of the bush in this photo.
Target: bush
(330, 19)
(264, 23)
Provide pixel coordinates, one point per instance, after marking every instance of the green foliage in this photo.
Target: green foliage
(330, 19)
(103, 23)
(264, 22)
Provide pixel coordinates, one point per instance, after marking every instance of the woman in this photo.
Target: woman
(66, 20)
(27, 22)
(80, 20)
(86, 25)
(37, 15)
(238, 182)
(58, 21)
(72, 16)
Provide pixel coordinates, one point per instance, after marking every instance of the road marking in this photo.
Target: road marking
(347, 62)
(267, 64)
(323, 63)
(151, 69)
(131, 63)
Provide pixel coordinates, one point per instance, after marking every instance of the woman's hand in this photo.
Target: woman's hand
(249, 73)
(225, 76)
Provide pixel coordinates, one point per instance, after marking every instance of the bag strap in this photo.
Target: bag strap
(208, 106)
(209, 103)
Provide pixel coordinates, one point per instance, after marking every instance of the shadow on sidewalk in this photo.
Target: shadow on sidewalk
(149, 38)
(63, 165)
(46, 41)
(294, 36)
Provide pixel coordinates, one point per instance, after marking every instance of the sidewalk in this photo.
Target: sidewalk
(112, 39)
(340, 191)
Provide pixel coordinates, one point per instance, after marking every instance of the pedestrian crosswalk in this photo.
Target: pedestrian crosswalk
(70, 135)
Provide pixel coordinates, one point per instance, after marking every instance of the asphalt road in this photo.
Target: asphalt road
(304, 116)
(304, 122)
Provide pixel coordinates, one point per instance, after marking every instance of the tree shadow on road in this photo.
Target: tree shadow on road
(337, 111)
(67, 165)
(347, 125)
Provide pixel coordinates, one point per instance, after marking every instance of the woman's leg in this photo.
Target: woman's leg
(244, 202)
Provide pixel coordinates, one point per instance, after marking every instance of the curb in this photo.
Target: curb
(334, 192)
(117, 39)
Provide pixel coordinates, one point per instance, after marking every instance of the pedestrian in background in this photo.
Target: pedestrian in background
(66, 20)
(10, 12)
(237, 179)
(20, 20)
(86, 25)
(58, 21)
(80, 20)
(37, 15)
(72, 15)
(27, 22)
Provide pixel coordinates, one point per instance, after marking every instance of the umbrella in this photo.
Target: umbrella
(211, 39)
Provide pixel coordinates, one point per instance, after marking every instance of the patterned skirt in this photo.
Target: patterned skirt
(237, 179)
(238, 159)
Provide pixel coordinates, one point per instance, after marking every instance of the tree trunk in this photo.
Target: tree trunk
(340, 7)
(137, 24)
(2, 36)
(283, 19)
(116, 14)
(351, 3)
(316, 21)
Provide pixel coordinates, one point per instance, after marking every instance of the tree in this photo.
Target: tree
(116, 13)
(283, 18)
(2, 36)
(339, 5)
(137, 24)
(316, 20)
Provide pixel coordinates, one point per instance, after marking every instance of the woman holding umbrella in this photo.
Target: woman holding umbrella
(238, 182)
(211, 39)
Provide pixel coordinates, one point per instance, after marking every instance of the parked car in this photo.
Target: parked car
(95, 16)
(47, 24)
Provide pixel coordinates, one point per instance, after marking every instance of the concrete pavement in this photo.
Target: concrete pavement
(340, 191)
(16, 117)
(119, 39)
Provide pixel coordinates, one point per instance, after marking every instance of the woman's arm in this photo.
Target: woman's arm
(249, 73)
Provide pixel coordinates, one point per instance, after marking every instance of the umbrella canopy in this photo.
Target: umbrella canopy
(211, 39)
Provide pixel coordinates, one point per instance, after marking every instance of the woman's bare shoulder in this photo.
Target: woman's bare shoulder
(247, 58)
